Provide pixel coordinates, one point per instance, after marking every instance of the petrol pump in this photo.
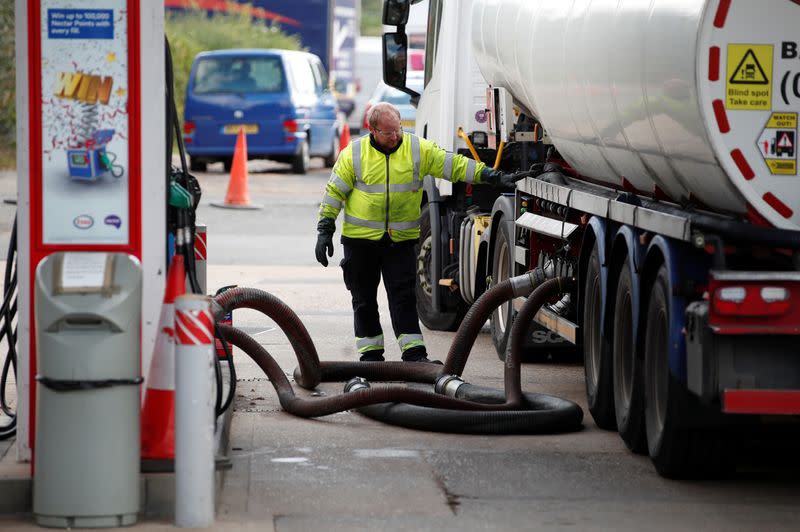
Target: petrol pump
(91, 144)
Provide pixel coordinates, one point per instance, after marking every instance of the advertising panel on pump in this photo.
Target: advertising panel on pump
(85, 130)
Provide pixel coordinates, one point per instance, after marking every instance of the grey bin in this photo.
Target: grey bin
(86, 456)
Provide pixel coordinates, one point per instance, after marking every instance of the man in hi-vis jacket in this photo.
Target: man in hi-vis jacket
(377, 179)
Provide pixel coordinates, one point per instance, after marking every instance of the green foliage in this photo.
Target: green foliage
(8, 115)
(193, 31)
(371, 12)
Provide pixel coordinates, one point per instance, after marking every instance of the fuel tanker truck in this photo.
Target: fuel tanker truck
(659, 139)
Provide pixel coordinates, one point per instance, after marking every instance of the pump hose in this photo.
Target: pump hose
(472, 409)
(8, 311)
(310, 372)
(323, 406)
(525, 413)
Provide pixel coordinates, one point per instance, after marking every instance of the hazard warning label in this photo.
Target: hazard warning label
(778, 144)
(749, 85)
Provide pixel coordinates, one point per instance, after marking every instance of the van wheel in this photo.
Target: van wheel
(330, 159)
(227, 163)
(301, 161)
(196, 165)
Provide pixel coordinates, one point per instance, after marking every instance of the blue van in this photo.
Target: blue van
(280, 98)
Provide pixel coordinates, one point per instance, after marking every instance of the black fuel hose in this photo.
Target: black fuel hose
(309, 368)
(479, 312)
(537, 414)
(472, 409)
(519, 330)
(516, 412)
(323, 406)
(310, 371)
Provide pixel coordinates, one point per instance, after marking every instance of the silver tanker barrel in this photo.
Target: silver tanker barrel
(688, 96)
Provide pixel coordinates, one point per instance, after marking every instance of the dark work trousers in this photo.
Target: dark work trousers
(363, 265)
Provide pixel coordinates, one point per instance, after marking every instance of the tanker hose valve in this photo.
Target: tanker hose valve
(448, 385)
(356, 383)
(523, 285)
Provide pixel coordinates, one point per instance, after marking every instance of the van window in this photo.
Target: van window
(239, 74)
(320, 77)
(304, 81)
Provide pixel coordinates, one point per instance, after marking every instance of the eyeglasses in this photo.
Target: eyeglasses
(388, 134)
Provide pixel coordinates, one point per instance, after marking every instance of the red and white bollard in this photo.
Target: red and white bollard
(194, 412)
(200, 256)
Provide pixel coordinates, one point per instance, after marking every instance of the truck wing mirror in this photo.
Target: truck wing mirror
(395, 63)
(395, 12)
(395, 59)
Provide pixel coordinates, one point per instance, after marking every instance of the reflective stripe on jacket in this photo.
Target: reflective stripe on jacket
(382, 193)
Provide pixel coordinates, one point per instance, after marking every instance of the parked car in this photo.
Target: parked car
(385, 93)
(280, 98)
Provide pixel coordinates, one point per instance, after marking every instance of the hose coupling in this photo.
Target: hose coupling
(523, 285)
(356, 383)
(448, 385)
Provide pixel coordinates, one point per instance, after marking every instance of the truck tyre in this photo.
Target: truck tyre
(450, 319)
(597, 363)
(502, 269)
(301, 161)
(627, 368)
(676, 449)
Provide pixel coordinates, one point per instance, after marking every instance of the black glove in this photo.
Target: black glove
(325, 229)
(498, 179)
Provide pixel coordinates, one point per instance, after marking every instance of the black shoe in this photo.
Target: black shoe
(428, 361)
(420, 357)
(370, 356)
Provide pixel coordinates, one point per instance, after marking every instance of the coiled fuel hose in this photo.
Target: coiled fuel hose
(450, 405)
(8, 331)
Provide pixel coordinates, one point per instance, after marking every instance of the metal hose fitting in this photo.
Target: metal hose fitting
(356, 383)
(448, 385)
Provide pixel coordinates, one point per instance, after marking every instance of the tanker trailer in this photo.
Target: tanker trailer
(663, 138)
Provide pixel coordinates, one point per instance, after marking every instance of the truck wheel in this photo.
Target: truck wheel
(597, 363)
(502, 267)
(627, 368)
(431, 318)
(301, 161)
(676, 449)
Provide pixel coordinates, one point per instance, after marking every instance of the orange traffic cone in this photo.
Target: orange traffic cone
(344, 138)
(158, 414)
(237, 196)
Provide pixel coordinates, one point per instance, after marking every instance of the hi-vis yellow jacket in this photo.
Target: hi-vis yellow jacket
(382, 193)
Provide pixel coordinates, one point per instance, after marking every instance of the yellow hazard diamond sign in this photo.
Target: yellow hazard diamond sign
(749, 80)
(778, 144)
